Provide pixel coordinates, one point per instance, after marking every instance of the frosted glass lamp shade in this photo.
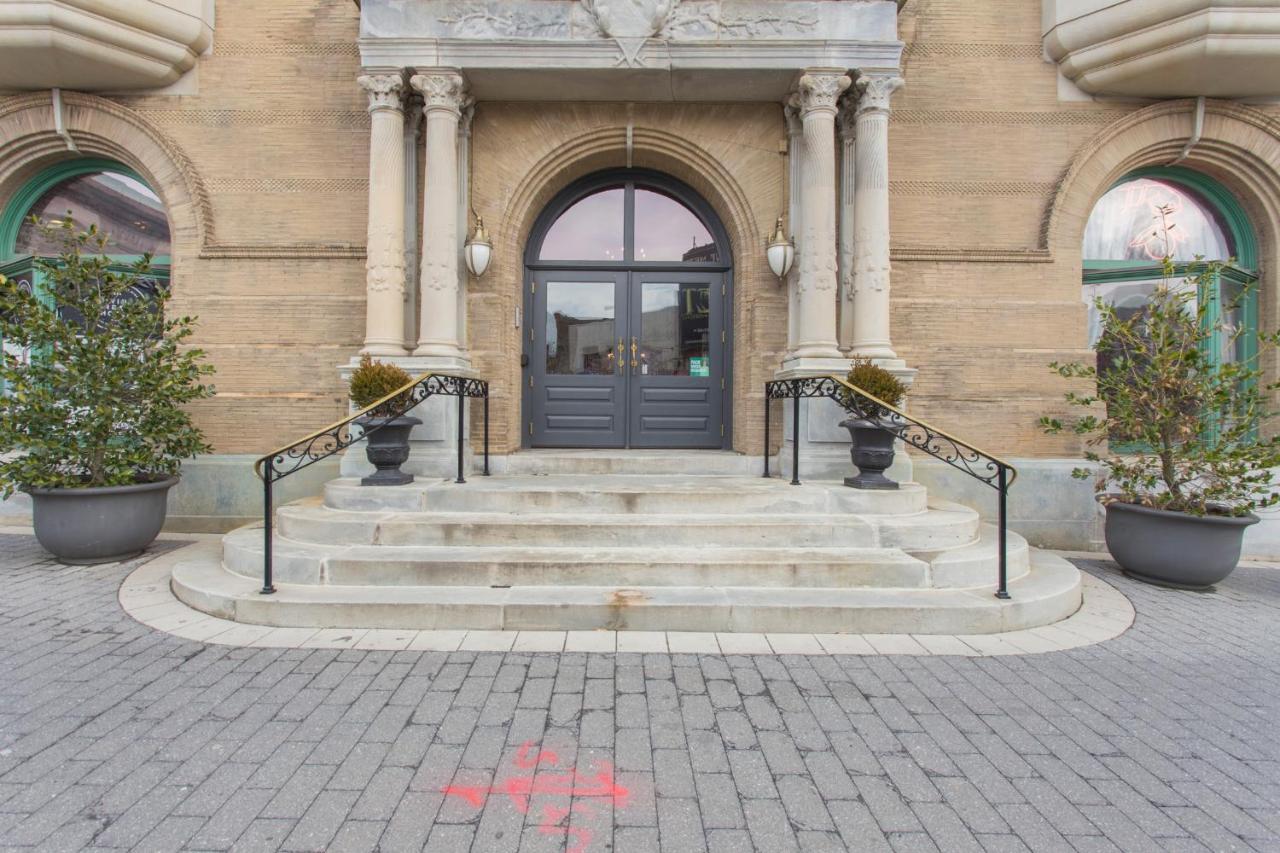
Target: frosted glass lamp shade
(478, 250)
(781, 252)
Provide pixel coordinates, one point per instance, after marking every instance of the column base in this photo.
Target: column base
(384, 349)
(799, 367)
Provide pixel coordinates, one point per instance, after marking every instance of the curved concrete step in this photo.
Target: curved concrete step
(1050, 591)
(941, 527)
(369, 565)
(595, 462)
(977, 563)
(639, 494)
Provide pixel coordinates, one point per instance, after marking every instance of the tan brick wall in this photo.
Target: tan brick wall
(278, 135)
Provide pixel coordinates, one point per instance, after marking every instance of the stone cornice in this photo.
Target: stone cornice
(874, 92)
(384, 90)
(820, 90)
(441, 90)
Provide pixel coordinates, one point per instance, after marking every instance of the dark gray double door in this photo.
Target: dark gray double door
(626, 359)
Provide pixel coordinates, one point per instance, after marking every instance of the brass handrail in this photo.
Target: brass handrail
(954, 451)
(921, 422)
(257, 466)
(327, 441)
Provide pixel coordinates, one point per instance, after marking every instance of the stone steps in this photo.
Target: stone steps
(935, 528)
(1049, 591)
(633, 493)
(635, 540)
(597, 462)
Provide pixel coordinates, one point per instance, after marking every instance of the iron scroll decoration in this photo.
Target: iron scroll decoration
(338, 437)
(913, 433)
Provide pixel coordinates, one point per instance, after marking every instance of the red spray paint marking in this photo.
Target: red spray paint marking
(572, 783)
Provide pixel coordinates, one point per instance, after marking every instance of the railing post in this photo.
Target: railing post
(766, 431)
(486, 430)
(462, 408)
(1003, 556)
(795, 436)
(268, 471)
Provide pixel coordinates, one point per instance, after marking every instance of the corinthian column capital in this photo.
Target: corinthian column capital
(874, 93)
(441, 90)
(847, 117)
(820, 90)
(384, 90)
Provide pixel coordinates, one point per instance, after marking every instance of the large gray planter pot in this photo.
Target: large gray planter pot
(1173, 548)
(103, 524)
(387, 449)
(872, 453)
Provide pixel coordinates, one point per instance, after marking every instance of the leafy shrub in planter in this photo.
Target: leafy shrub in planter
(101, 399)
(373, 380)
(1192, 425)
(875, 380)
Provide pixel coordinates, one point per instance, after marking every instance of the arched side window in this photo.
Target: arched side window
(1178, 213)
(93, 191)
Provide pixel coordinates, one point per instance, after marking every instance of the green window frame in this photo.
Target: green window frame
(24, 267)
(1240, 273)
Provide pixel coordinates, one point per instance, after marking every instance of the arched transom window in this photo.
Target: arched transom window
(1187, 217)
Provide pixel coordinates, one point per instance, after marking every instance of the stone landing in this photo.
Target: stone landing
(630, 542)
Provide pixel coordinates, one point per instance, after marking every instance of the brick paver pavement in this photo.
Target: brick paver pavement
(114, 736)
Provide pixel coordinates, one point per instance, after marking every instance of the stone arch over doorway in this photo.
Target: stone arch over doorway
(607, 261)
(103, 129)
(1239, 147)
(744, 185)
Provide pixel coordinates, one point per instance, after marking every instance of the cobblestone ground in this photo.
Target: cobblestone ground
(114, 736)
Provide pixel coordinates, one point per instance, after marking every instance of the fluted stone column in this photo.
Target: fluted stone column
(816, 347)
(384, 267)
(444, 96)
(848, 171)
(871, 219)
(795, 192)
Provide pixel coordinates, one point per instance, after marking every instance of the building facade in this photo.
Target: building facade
(958, 178)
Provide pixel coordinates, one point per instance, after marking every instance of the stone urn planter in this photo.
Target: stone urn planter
(387, 448)
(1173, 548)
(872, 453)
(102, 524)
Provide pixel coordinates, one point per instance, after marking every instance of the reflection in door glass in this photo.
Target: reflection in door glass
(675, 329)
(590, 230)
(580, 337)
(666, 230)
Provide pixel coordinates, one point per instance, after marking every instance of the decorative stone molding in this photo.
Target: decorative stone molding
(1008, 117)
(384, 90)
(258, 118)
(441, 90)
(575, 38)
(105, 128)
(874, 93)
(1230, 146)
(820, 90)
(89, 46)
(1167, 48)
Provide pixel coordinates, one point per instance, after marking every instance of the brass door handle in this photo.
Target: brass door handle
(633, 355)
(620, 358)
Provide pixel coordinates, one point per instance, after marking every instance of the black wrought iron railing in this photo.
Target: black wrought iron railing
(914, 433)
(338, 436)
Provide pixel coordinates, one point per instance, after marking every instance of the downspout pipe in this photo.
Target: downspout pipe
(59, 126)
(1197, 128)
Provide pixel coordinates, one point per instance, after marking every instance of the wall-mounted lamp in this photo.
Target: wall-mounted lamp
(780, 251)
(478, 250)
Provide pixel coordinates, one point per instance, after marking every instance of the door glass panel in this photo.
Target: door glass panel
(590, 230)
(666, 230)
(675, 329)
(580, 328)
